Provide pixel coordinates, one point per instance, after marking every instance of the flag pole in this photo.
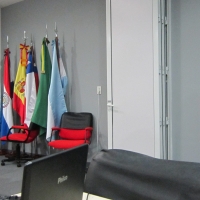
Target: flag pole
(25, 38)
(46, 36)
(24, 153)
(56, 30)
(57, 48)
(7, 42)
(31, 47)
(31, 41)
(46, 32)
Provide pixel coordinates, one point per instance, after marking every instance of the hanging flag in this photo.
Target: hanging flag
(7, 115)
(0, 111)
(40, 112)
(63, 76)
(31, 88)
(0, 115)
(56, 100)
(19, 85)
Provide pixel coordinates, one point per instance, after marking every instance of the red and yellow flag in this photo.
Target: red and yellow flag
(19, 85)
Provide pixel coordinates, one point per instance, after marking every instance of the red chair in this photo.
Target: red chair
(24, 135)
(75, 129)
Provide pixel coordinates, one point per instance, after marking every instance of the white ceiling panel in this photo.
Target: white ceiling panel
(4, 3)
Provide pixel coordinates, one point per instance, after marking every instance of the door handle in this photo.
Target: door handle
(110, 105)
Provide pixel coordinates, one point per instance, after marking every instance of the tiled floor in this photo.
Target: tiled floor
(10, 178)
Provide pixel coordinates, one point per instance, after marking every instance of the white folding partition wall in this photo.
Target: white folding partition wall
(133, 76)
(164, 78)
(179, 80)
(184, 66)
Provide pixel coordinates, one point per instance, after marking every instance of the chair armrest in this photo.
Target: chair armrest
(55, 129)
(88, 128)
(19, 127)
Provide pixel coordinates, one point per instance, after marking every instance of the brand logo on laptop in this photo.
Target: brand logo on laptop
(62, 179)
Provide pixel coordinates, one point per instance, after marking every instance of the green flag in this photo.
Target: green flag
(40, 112)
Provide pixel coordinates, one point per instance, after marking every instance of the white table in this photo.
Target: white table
(92, 197)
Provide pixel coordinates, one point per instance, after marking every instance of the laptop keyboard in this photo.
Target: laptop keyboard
(4, 197)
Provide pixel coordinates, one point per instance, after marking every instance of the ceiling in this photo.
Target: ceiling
(4, 3)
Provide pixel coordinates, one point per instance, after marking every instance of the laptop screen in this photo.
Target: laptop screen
(58, 176)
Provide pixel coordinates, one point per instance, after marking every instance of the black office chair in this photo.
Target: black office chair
(124, 175)
(75, 129)
(23, 135)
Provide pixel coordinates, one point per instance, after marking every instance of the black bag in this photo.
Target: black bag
(125, 175)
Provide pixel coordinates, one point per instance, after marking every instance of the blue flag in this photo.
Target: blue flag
(56, 100)
(0, 115)
(63, 77)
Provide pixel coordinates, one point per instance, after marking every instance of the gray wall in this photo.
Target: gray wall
(185, 81)
(82, 32)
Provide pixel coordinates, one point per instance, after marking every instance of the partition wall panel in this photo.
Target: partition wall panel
(185, 82)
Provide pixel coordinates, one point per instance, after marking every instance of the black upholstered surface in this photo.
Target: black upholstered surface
(73, 120)
(124, 175)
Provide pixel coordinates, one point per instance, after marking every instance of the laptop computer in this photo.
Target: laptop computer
(58, 176)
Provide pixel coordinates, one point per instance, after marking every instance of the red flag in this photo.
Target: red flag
(7, 117)
(19, 85)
